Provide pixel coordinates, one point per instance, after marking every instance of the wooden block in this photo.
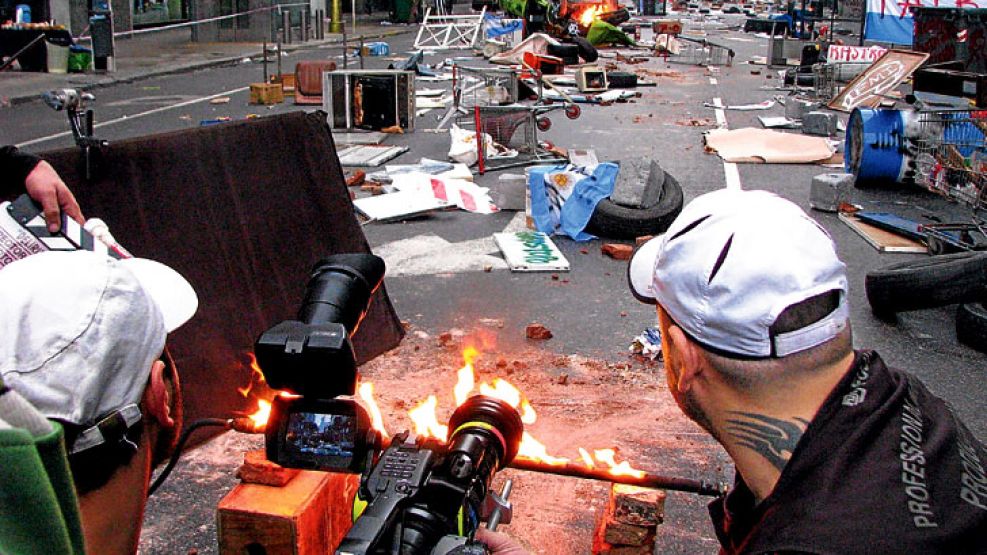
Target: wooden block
(266, 93)
(309, 515)
(636, 505)
(620, 533)
(256, 469)
(287, 81)
(602, 547)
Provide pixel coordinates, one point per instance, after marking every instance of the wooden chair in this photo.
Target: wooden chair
(308, 80)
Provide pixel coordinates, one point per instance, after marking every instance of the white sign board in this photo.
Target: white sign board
(531, 251)
(862, 54)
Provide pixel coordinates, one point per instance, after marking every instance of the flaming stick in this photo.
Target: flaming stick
(648, 480)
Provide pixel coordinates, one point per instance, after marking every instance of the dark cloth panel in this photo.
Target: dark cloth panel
(242, 210)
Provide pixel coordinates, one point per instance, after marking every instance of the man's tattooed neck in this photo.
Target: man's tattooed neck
(772, 438)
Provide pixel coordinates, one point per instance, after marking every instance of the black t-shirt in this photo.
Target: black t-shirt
(884, 468)
(14, 169)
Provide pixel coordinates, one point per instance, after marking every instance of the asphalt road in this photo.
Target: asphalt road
(592, 315)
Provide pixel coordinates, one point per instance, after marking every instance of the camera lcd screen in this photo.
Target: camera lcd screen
(322, 439)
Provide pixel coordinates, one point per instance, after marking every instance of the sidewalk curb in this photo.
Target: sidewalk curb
(110, 79)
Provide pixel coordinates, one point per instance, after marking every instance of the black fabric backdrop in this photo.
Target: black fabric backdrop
(242, 210)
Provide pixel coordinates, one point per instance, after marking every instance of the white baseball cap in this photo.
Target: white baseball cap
(731, 263)
(79, 332)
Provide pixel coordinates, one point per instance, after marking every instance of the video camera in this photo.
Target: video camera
(417, 495)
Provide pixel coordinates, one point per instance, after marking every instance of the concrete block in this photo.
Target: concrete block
(509, 192)
(819, 123)
(829, 190)
(795, 107)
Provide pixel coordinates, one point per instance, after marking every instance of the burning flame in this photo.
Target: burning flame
(366, 392)
(256, 377)
(262, 414)
(588, 15)
(587, 460)
(608, 456)
(425, 420)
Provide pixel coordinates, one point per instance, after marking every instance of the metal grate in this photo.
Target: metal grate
(513, 127)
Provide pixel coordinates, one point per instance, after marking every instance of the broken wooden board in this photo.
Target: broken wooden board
(878, 80)
(883, 241)
(369, 155)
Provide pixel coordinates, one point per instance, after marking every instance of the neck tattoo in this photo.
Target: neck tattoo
(772, 438)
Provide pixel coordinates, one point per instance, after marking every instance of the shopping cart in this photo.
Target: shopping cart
(701, 52)
(515, 129)
(950, 153)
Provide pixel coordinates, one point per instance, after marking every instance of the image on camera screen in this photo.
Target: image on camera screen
(316, 435)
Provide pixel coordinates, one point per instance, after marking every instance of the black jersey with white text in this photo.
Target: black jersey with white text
(885, 467)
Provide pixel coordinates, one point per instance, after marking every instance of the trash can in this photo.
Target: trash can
(80, 59)
(58, 53)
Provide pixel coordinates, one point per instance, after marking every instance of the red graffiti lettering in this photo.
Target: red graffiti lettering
(906, 6)
(966, 4)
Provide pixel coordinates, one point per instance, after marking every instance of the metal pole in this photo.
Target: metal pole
(353, 6)
(360, 52)
(701, 487)
(304, 24)
(346, 48)
(286, 26)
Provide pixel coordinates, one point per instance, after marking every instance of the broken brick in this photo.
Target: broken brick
(636, 505)
(537, 331)
(358, 177)
(618, 251)
(638, 241)
(256, 469)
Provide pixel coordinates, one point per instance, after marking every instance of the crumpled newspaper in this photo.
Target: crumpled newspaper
(647, 344)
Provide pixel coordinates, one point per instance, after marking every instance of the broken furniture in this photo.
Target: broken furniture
(949, 78)
(701, 52)
(308, 80)
(449, 31)
(369, 99)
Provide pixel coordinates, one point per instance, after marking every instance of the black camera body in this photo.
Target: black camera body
(421, 496)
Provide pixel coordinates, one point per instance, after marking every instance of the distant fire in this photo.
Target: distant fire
(588, 15)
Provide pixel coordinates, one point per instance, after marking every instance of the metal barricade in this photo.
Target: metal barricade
(701, 52)
(485, 86)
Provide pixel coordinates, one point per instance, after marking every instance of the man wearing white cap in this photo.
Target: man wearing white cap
(81, 340)
(835, 452)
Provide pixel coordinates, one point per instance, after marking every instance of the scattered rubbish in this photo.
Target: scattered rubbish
(767, 146)
(536, 43)
(214, 121)
(647, 344)
(893, 223)
(429, 92)
(701, 52)
(881, 78)
(600, 33)
(778, 122)
(459, 192)
(393, 130)
(400, 205)
(358, 138)
(369, 155)
(829, 191)
(220, 100)
(464, 147)
(266, 94)
(370, 99)
(308, 81)
(699, 122)
(531, 251)
(766, 105)
(537, 331)
(426, 103)
(431, 167)
(591, 79)
(617, 251)
(883, 241)
(377, 48)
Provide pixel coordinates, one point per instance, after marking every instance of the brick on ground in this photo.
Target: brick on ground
(618, 251)
(256, 469)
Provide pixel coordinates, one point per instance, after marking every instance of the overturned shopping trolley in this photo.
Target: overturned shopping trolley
(700, 52)
(515, 130)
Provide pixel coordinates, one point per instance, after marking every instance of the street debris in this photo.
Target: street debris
(537, 332)
(617, 251)
(647, 344)
(531, 251)
(767, 146)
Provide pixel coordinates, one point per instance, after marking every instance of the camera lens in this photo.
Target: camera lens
(482, 419)
(340, 289)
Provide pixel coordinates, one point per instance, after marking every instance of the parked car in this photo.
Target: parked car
(731, 8)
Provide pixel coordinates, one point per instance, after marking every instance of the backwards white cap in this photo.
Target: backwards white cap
(731, 263)
(79, 332)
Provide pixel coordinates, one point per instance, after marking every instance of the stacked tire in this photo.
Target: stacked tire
(936, 281)
(617, 221)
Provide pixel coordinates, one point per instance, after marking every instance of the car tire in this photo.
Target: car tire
(971, 325)
(927, 283)
(568, 53)
(621, 80)
(614, 221)
(587, 51)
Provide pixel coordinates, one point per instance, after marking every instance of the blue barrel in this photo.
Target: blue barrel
(875, 146)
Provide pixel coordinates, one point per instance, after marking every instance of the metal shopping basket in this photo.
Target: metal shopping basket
(701, 52)
(950, 153)
(515, 128)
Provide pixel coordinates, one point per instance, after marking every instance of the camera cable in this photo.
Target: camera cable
(195, 425)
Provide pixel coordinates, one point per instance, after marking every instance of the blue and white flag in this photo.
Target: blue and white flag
(891, 20)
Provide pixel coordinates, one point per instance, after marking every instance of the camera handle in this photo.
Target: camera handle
(496, 509)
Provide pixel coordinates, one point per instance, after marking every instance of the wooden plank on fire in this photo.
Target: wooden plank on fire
(309, 515)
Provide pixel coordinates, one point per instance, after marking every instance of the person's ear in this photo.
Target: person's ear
(157, 398)
(690, 359)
